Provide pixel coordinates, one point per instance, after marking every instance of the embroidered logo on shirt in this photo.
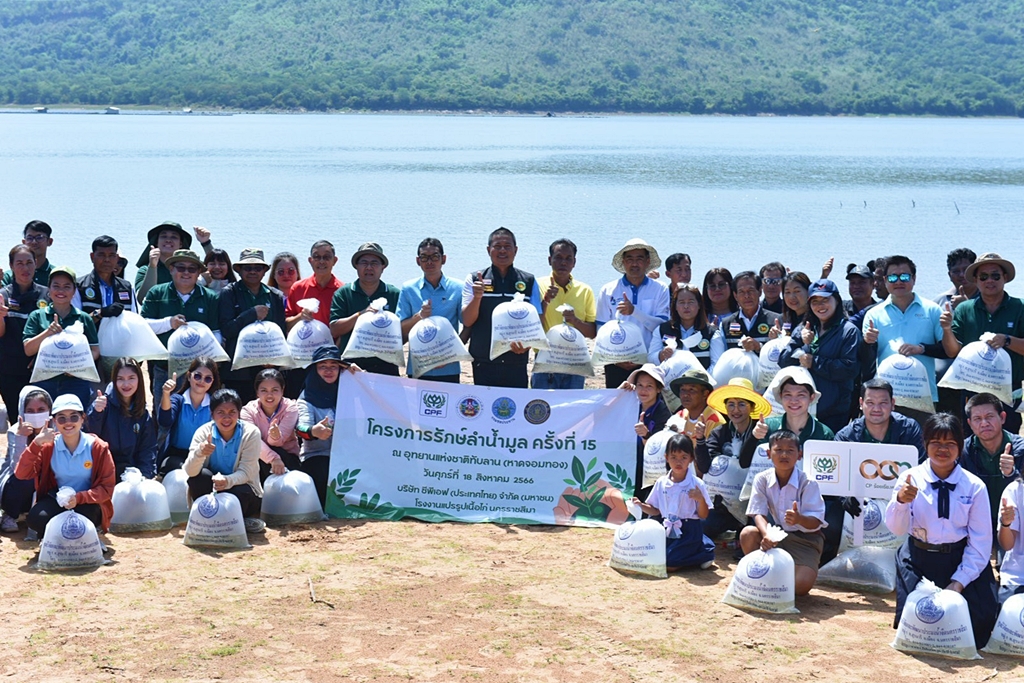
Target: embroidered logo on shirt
(41, 304)
(735, 329)
(87, 464)
(704, 345)
(520, 286)
(762, 328)
(89, 292)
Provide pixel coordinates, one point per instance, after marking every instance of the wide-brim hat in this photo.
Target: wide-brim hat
(186, 256)
(800, 375)
(693, 376)
(656, 373)
(371, 248)
(986, 259)
(154, 233)
(636, 243)
(250, 257)
(740, 387)
(326, 352)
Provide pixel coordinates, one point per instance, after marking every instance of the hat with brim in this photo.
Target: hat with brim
(799, 375)
(67, 402)
(62, 270)
(853, 270)
(154, 234)
(327, 353)
(185, 256)
(993, 259)
(633, 244)
(741, 388)
(655, 372)
(693, 376)
(370, 249)
(250, 257)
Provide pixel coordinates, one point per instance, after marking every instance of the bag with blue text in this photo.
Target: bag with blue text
(765, 581)
(936, 622)
(567, 352)
(516, 321)
(66, 352)
(377, 334)
(306, 336)
(434, 343)
(638, 548)
(216, 522)
(188, 342)
(140, 504)
(619, 341)
(70, 542)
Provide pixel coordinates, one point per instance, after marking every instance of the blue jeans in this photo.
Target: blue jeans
(557, 380)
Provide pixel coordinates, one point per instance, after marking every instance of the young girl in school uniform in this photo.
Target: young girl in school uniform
(1011, 540)
(681, 500)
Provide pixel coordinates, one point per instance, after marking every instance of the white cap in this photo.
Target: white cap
(67, 402)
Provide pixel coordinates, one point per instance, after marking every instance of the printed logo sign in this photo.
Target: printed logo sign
(426, 332)
(209, 506)
(63, 344)
(433, 404)
(826, 468)
(568, 334)
(305, 331)
(537, 411)
(617, 336)
(719, 465)
(470, 407)
(927, 611)
(625, 531)
(190, 338)
(757, 568)
(518, 312)
(872, 516)
(503, 409)
(73, 527)
(902, 362)
(887, 470)
(381, 320)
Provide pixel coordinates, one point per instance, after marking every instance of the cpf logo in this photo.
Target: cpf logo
(825, 468)
(433, 404)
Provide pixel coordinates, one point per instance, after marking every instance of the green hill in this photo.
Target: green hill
(948, 57)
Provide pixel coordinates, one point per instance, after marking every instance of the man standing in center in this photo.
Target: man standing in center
(635, 297)
(354, 299)
(562, 288)
(753, 325)
(433, 294)
(481, 294)
(321, 285)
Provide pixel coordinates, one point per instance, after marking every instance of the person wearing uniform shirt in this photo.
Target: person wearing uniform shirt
(481, 294)
(170, 305)
(633, 297)
(561, 288)
(991, 453)
(37, 237)
(880, 422)
(771, 286)
(1011, 540)
(17, 301)
(163, 241)
(993, 311)
(354, 299)
(433, 294)
(752, 325)
(945, 511)
(695, 418)
(647, 381)
(689, 327)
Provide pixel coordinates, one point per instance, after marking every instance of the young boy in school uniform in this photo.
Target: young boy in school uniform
(785, 495)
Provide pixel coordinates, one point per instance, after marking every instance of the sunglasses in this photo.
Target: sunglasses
(200, 377)
(995, 277)
(73, 418)
(192, 270)
(902, 277)
(773, 280)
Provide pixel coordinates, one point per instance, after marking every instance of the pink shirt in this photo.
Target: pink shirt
(288, 414)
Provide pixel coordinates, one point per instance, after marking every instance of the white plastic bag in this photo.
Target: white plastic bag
(936, 622)
(1008, 635)
(980, 368)
(639, 548)
(433, 343)
(764, 582)
(758, 464)
(262, 343)
(768, 361)
(377, 334)
(868, 569)
(308, 335)
(909, 379)
(876, 533)
(70, 542)
(736, 363)
(139, 505)
(290, 498)
(619, 341)
(188, 342)
(129, 335)
(216, 522)
(654, 457)
(678, 363)
(725, 478)
(175, 483)
(516, 321)
(567, 353)
(66, 352)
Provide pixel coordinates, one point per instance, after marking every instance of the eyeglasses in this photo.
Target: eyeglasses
(73, 418)
(995, 277)
(429, 258)
(324, 257)
(35, 238)
(366, 263)
(252, 268)
(772, 280)
(902, 277)
(718, 285)
(191, 270)
(200, 377)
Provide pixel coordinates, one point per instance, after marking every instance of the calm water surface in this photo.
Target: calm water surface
(736, 192)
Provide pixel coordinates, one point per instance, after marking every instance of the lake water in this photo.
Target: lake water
(735, 192)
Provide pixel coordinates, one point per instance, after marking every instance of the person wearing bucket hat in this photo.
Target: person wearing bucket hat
(170, 305)
(37, 236)
(634, 297)
(827, 346)
(992, 311)
(752, 325)
(647, 381)
(695, 418)
(163, 240)
(354, 299)
(482, 292)
(242, 303)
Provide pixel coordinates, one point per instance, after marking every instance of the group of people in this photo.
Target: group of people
(231, 428)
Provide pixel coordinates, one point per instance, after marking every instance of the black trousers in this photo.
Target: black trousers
(202, 484)
(614, 376)
(834, 517)
(46, 508)
(318, 468)
(493, 374)
(17, 496)
(173, 458)
(291, 461)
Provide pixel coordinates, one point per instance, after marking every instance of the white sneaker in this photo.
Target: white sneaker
(255, 526)
(8, 524)
(707, 565)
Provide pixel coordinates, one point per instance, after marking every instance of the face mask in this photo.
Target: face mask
(37, 420)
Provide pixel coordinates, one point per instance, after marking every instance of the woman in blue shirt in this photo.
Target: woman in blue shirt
(120, 418)
(183, 413)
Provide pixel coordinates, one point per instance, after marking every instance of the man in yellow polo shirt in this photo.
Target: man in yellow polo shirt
(561, 288)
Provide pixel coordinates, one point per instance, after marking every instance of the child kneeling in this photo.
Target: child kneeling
(681, 500)
(794, 503)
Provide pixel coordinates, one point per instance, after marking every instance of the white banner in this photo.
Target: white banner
(459, 452)
(864, 470)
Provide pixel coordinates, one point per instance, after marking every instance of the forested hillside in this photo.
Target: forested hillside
(733, 56)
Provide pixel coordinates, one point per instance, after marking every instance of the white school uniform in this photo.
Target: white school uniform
(673, 498)
(1011, 573)
(768, 497)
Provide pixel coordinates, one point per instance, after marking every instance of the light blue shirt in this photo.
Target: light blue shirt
(919, 324)
(225, 453)
(445, 301)
(73, 469)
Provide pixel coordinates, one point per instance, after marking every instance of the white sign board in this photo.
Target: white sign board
(864, 470)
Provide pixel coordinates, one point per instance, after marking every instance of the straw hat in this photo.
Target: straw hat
(636, 243)
(740, 387)
(984, 260)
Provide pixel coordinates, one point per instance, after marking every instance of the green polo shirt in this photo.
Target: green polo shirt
(351, 299)
(40, 319)
(163, 301)
(42, 276)
(971, 319)
(814, 429)
(163, 274)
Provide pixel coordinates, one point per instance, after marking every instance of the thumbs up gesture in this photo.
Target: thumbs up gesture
(625, 306)
(807, 333)
(100, 403)
(776, 331)
(958, 298)
(1007, 512)
(274, 432)
(793, 516)
(760, 429)
(207, 448)
(170, 384)
(871, 332)
(641, 429)
(478, 285)
(908, 492)
(45, 435)
(1006, 463)
(54, 327)
(826, 269)
(946, 317)
(322, 429)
